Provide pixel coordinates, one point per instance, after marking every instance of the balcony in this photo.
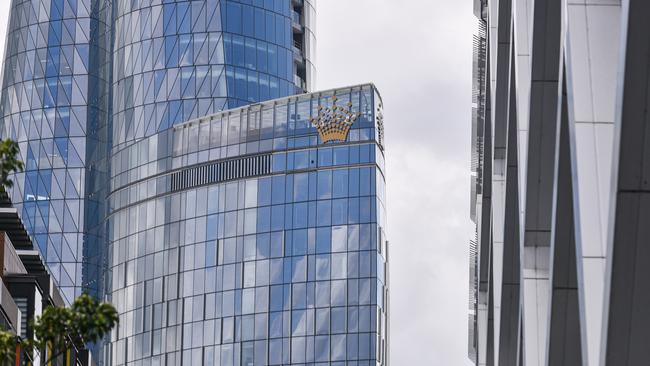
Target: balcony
(9, 310)
(298, 56)
(11, 263)
(297, 45)
(296, 24)
(300, 82)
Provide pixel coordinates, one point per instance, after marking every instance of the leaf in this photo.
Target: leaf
(8, 342)
(86, 321)
(9, 150)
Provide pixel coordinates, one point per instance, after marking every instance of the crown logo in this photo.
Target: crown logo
(334, 123)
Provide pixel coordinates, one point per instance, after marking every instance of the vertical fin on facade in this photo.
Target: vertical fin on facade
(478, 121)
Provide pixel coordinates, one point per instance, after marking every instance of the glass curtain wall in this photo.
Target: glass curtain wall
(284, 267)
(179, 60)
(54, 104)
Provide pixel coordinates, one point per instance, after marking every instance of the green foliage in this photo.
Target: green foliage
(7, 346)
(86, 321)
(8, 162)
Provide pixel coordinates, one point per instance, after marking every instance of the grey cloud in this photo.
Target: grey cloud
(418, 53)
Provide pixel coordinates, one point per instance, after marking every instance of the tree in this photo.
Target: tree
(9, 162)
(7, 346)
(63, 329)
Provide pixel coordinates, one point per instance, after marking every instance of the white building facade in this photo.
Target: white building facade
(561, 183)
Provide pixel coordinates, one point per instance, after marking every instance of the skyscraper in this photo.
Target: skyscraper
(245, 239)
(176, 166)
(84, 78)
(179, 60)
(560, 137)
(55, 91)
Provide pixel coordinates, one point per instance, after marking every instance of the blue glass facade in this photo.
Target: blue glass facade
(54, 103)
(178, 60)
(241, 239)
(170, 169)
(85, 77)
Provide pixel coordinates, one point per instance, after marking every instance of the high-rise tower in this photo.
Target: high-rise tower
(55, 91)
(561, 174)
(172, 168)
(178, 60)
(252, 237)
(85, 78)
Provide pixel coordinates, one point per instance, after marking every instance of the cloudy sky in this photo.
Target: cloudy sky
(418, 53)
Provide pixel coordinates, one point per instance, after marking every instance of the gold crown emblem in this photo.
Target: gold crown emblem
(334, 123)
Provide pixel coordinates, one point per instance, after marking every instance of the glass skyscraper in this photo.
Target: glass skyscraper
(179, 60)
(175, 166)
(239, 238)
(55, 91)
(84, 77)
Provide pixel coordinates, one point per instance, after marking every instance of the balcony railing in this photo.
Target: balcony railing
(9, 308)
(12, 263)
(300, 82)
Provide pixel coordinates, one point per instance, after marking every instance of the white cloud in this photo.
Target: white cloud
(418, 53)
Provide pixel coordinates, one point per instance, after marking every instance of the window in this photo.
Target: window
(340, 183)
(323, 240)
(324, 184)
(261, 333)
(323, 321)
(341, 155)
(278, 189)
(298, 322)
(324, 213)
(277, 295)
(300, 215)
(322, 348)
(262, 273)
(299, 275)
(277, 244)
(324, 157)
(263, 246)
(248, 21)
(338, 316)
(323, 267)
(234, 17)
(298, 350)
(338, 346)
(259, 24)
(339, 293)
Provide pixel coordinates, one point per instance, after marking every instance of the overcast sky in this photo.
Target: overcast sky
(418, 53)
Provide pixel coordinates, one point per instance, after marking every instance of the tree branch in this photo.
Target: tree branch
(53, 357)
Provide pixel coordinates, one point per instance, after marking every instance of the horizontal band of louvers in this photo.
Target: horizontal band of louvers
(334, 123)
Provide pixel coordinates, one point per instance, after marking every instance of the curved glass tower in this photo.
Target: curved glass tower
(85, 77)
(174, 166)
(241, 238)
(55, 104)
(178, 60)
